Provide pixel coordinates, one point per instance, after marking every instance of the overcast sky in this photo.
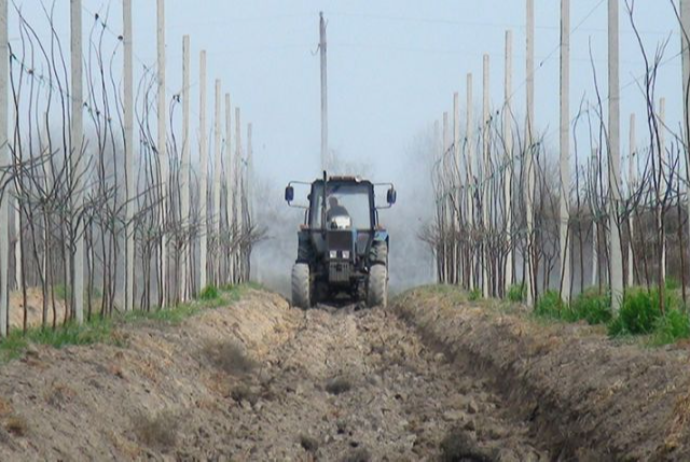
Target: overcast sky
(394, 64)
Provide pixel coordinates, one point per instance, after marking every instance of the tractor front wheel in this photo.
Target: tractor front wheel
(377, 291)
(301, 286)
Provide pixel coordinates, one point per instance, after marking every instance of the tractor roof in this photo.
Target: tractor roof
(346, 178)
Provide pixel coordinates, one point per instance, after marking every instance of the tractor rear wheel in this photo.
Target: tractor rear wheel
(377, 291)
(301, 286)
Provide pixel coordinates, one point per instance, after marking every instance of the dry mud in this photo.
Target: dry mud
(257, 381)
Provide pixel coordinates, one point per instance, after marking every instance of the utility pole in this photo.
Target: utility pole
(616, 259)
(486, 175)
(203, 176)
(185, 166)
(162, 151)
(323, 48)
(470, 185)
(229, 172)
(529, 157)
(565, 151)
(77, 160)
(5, 160)
(508, 140)
(217, 167)
(631, 187)
(130, 184)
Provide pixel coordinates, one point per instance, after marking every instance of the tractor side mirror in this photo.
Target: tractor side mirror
(392, 196)
(289, 194)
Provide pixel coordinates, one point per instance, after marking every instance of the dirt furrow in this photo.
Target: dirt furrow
(360, 385)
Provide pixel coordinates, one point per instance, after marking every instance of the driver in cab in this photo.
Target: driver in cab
(335, 209)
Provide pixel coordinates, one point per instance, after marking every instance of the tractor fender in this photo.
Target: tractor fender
(378, 254)
(305, 247)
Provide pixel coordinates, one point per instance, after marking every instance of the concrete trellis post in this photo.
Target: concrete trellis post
(217, 167)
(565, 150)
(239, 192)
(529, 155)
(77, 160)
(323, 48)
(615, 260)
(508, 139)
(203, 176)
(470, 184)
(229, 172)
(185, 166)
(4, 160)
(664, 185)
(486, 178)
(631, 187)
(162, 149)
(448, 215)
(456, 184)
(595, 230)
(249, 184)
(130, 184)
(685, 54)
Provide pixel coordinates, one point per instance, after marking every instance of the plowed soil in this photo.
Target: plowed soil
(257, 381)
(432, 378)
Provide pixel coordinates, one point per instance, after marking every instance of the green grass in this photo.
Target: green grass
(96, 331)
(209, 293)
(593, 307)
(517, 293)
(640, 315)
(475, 295)
(102, 330)
(639, 312)
(550, 306)
(669, 329)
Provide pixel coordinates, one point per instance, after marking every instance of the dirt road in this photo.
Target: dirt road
(256, 381)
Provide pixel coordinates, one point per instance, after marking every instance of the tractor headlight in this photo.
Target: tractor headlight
(334, 254)
(346, 254)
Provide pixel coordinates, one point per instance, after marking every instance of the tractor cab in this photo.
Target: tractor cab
(340, 242)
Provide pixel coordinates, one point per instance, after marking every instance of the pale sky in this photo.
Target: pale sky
(393, 64)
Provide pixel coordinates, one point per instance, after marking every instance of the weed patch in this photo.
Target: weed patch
(551, 306)
(593, 307)
(668, 329)
(475, 295)
(517, 293)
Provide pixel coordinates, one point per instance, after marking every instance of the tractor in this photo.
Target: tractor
(342, 247)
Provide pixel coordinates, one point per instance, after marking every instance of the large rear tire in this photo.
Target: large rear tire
(377, 291)
(301, 286)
